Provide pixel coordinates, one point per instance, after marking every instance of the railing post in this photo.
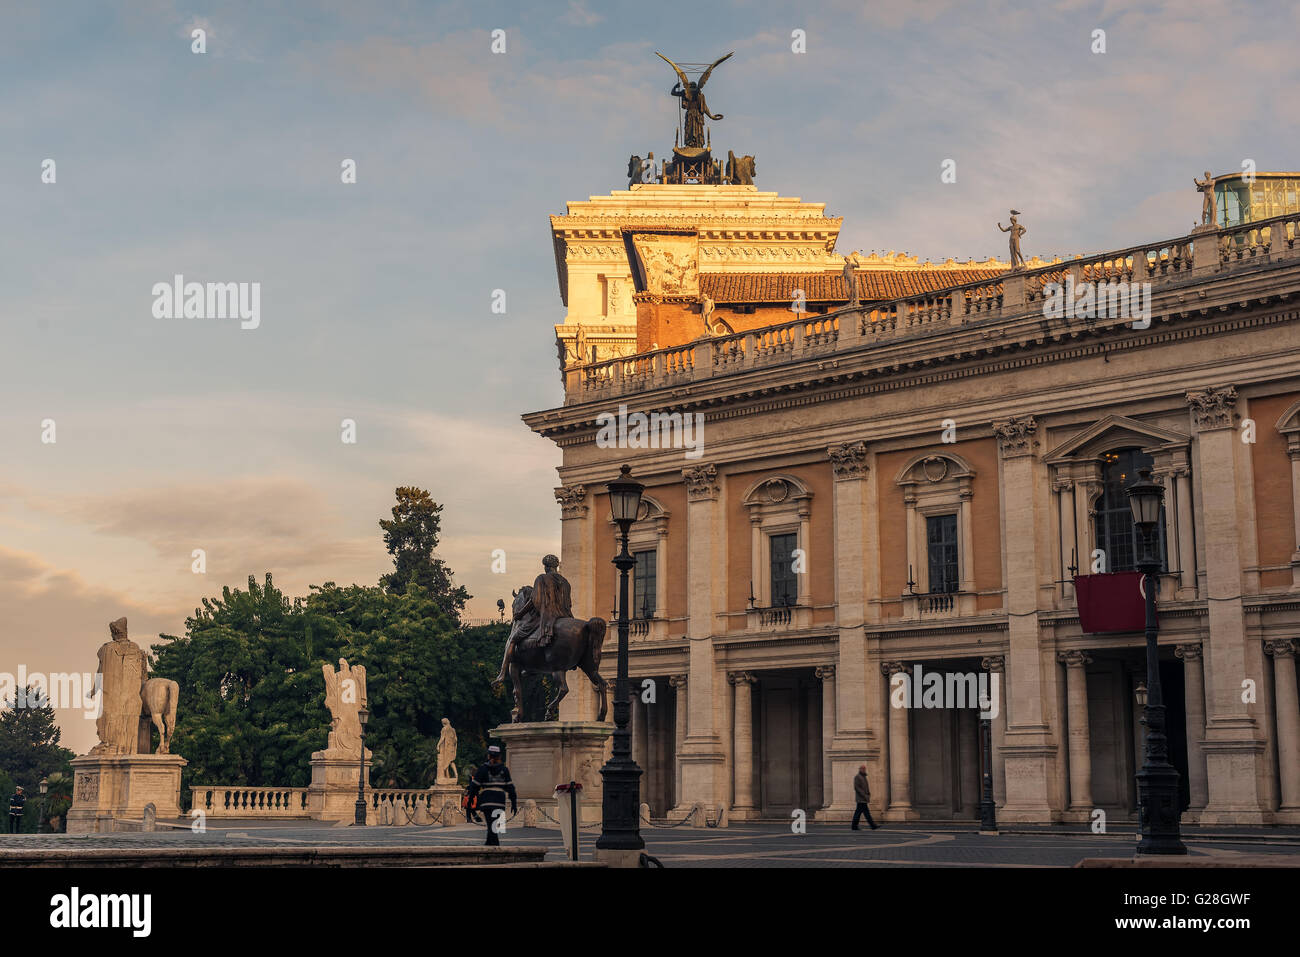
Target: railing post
(751, 344)
(1205, 250)
(850, 329)
(1013, 292)
(796, 332)
(703, 359)
(1277, 240)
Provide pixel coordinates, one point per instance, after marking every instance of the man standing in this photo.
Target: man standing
(17, 804)
(490, 785)
(862, 791)
(551, 598)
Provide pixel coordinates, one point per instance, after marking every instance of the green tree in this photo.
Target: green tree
(411, 537)
(29, 750)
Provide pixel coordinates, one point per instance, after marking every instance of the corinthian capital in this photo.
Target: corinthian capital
(1016, 435)
(573, 501)
(1213, 408)
(701, 483)
(848, 460)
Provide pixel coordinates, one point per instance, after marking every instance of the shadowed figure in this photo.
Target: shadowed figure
(576, 644)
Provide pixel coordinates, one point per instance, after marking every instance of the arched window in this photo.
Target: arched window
(1116, 533)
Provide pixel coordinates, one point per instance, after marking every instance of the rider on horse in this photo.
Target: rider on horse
(552, 601)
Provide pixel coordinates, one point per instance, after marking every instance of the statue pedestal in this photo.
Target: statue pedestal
(112, 787)
(332, 794)
(542, 754)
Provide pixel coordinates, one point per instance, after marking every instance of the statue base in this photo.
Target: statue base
(112, 788)
(543, 754)
(332, 794)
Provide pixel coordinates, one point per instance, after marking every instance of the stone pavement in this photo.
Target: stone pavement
(750, 845)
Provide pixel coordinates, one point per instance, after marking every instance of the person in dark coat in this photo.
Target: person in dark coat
(862, 792)
(488, 790)
(17, 804)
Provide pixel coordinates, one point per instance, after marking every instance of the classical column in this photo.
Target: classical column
(743, 738)
(1064, 489)
(900, 752)
(703, 753)
(678, 682)
(1287, 703)
(967, 538)
(848, 696)
(661, 567)
(804, 596)
(1186, 537)
(826, 674)
(1029, 752)
(995, 665)
(577, 565)
(1076, 683)
(1194, 692)
(1234, 740)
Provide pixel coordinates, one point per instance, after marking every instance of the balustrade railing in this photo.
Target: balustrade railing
(255, 802)
(875, 323)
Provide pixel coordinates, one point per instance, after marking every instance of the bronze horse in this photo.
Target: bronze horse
(576, 644)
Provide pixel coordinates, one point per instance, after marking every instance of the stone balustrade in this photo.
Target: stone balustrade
(1205, 253)
(227, 801)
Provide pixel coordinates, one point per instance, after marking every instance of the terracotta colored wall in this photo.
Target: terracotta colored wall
(1274, 505)
(673, 324)
(603, 548)
(673, 499)
(821, 548)
(982, 454)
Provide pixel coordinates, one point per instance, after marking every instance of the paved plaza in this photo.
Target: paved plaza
(752, 845)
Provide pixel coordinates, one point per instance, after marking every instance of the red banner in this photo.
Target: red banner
(1111, 602)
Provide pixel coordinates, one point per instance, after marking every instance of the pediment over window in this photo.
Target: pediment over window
(1115, 432)
(776, 490)
(1289, 423)
(931, 468)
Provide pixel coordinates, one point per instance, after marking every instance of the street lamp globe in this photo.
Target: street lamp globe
(1145, 498)
(624, 497)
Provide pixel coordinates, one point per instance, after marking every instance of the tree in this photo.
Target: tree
(30, 751)
(411, 537)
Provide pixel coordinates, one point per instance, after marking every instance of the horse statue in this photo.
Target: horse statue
(577, 644)
(158, 696)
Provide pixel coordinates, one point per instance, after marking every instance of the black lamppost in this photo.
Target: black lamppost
(1157, 781)
(45, 789)
(988, 810)
(620, 826)
(360, 820)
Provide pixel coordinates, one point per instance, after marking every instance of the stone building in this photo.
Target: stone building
(917, 477)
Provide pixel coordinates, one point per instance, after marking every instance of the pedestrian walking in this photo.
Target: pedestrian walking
(488, 789)
(862, 792)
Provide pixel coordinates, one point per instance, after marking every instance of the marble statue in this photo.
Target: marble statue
(1016, 231)
(345, 696)
(447, 753)
(1206, 189)
(850, 278)
(123, 670)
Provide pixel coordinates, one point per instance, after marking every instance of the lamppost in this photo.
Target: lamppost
(620, 826)
(45, 789)
(360, 820)
(1157, 781)
(988, 810)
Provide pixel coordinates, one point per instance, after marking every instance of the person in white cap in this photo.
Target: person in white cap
(490, 785)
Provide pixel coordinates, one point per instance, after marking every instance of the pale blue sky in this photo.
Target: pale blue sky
(183, 434)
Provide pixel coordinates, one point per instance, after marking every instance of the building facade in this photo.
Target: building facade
(921, 471)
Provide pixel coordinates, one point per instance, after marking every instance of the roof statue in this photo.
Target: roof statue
(692, 96)
(693, 161)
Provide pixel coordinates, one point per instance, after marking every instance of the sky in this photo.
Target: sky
(175, 434)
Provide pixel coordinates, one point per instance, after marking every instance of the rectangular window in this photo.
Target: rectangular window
(941, 547)
(643, 585)
(785, 583)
